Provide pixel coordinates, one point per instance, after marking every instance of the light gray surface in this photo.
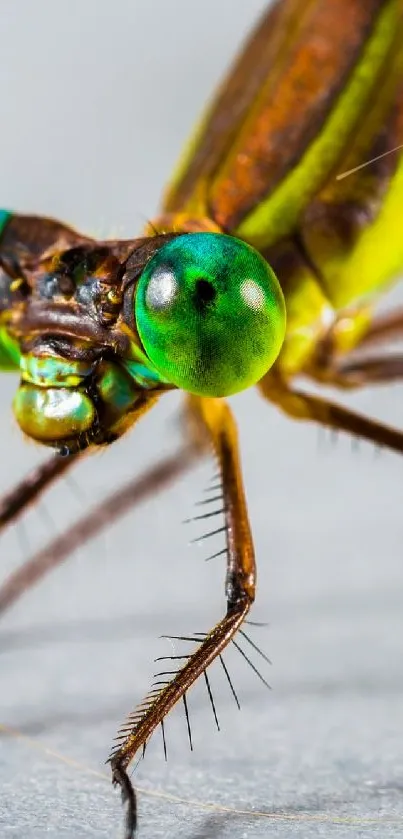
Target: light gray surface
(97, 97)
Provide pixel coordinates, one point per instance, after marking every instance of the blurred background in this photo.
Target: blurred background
(97, 98)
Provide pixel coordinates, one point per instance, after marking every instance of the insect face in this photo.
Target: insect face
(101, 329)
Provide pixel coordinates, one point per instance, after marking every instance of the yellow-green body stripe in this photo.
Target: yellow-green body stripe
(278, 215)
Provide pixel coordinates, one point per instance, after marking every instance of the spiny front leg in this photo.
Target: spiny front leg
(213, 416)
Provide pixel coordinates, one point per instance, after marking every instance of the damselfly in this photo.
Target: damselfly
(260, 267)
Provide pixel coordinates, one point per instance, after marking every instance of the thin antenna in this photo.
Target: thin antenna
(368, 163)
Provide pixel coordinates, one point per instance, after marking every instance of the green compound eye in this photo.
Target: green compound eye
(210, 314)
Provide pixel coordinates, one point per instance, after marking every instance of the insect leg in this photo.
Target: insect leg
(305, 406)
(357, 368)
(385, 327)
(358, 372)
(13, 503)
(92, 523)
(215, 418)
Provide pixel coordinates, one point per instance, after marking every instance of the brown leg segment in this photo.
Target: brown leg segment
(354, 371)
(92, 523)
(305, 406)
(26, 492)
(387, 327)
(357, 368)
(212, 416)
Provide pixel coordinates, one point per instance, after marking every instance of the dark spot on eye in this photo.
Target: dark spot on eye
(204, 294)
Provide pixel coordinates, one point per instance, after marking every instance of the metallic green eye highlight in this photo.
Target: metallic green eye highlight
(210, 313)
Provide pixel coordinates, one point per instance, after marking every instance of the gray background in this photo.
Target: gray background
(97, 97)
